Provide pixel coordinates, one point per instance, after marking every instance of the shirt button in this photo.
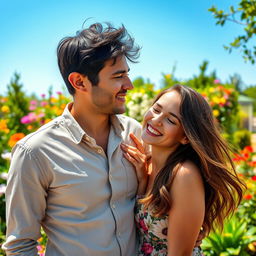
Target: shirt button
(99, 151)
(87, 138)
(113, 206)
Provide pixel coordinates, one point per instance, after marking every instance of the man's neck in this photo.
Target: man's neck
(96, 126)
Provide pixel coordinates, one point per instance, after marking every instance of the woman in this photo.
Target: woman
(192, 183)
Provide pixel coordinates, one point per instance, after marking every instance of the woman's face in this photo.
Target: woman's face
(162, 126)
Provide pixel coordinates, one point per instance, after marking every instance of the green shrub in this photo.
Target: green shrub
(234, 240)
(242, 138)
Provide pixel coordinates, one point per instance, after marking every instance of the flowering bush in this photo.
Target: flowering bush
(21, 115)
(245, 161)
(140, 99)
(224, 103)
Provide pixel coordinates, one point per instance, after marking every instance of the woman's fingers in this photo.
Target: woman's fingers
(130, 159)
(134, 152)
(138, 143)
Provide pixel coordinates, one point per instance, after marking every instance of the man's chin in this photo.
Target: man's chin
(120, 110)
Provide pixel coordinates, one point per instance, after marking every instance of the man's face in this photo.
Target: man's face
(108, 96)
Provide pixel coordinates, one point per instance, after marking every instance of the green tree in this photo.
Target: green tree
(245, 15)
(202, 80)
(18, 104)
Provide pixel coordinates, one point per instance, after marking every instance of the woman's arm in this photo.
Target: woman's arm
(187, 210)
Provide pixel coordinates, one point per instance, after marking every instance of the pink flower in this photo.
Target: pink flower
(147, 248)
(31, 117)
(216, 81)
(25, 120)
(59, 93)
(32, 107)
(143, 225)
(43, 95)
(44, 103)
(41, 115)
(33, 102)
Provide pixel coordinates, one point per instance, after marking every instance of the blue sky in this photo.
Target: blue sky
(170, 32)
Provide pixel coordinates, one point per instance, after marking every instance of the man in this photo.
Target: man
(70, 176)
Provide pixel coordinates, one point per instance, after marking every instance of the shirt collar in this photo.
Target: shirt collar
(72, 125)
(75, 130)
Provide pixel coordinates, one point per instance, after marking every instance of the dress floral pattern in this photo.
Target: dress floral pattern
(152, 233)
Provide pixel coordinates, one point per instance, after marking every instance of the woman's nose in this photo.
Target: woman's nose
(157, 120)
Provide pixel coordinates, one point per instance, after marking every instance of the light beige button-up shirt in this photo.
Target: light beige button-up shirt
(62, 180)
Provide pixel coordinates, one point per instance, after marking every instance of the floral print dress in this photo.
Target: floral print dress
(152, 233)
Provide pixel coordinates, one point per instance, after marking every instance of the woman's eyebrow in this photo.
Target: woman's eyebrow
(171, 113)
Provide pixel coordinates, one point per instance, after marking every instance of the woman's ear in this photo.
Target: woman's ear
(184, 140)
(77, 80)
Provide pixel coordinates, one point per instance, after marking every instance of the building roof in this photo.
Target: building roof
(245, 99)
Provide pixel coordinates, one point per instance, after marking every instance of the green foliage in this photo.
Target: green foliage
(247, 212)
(234, 239)
(245, 15)
(242, 138)
(202, 80)
(17, 103)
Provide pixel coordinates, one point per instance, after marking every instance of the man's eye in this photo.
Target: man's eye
(119, 76)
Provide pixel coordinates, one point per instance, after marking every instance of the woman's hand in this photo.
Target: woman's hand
(138, 158)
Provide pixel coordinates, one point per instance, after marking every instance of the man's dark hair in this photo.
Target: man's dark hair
(87, 52)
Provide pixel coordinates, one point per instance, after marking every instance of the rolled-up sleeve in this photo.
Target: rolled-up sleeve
(25, 202)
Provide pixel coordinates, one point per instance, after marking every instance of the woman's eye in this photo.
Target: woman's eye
(155, 110)
(170, 121)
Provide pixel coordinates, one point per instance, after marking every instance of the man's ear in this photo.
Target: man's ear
(78, 81)
(184, 140)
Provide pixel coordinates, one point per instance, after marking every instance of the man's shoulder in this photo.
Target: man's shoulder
(41, 136)
(126, 120)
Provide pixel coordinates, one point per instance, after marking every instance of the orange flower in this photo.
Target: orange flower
(248, 196)
(248, 149)
(252, 163)
(3, 126)
(15, 138)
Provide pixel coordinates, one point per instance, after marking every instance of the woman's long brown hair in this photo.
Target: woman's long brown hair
(210, 153)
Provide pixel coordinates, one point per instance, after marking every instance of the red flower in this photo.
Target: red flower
(147, 248)
(246, 155)
(254, 178)
(248, 149)
(252, 164)
(248, 197)
(143, 225)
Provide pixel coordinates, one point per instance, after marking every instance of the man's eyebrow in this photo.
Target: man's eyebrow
(121, 71)
(160, 106)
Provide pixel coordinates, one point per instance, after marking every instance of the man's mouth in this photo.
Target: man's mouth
(152, 131)
(121, 97)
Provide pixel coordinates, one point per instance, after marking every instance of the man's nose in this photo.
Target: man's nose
(128, 84)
